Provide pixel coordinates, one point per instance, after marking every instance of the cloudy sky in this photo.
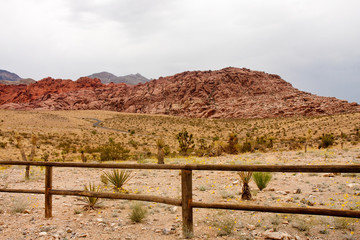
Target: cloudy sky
(313, 44)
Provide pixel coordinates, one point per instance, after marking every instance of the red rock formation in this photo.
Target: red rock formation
(226, 93)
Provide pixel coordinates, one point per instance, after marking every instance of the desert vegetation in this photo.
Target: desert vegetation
(71, 136)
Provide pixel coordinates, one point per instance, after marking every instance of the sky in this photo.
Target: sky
(312, 44)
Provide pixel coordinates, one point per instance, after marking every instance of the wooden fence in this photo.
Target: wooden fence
(186, 201)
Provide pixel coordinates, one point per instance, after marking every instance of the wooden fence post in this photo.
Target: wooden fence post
(186, 197)
(48, 195)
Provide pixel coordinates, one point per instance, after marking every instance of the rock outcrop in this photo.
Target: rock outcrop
(226, 93)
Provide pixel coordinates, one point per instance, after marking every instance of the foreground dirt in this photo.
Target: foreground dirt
(22, 215)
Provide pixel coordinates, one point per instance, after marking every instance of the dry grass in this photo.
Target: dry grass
(64, 134)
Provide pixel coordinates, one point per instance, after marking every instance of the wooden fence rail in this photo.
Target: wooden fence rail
(186, 201)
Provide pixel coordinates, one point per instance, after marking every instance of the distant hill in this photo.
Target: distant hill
(25, 81)
(8, 76)
(131, 79)
(226, 93)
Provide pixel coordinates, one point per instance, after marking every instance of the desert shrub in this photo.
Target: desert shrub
(2, 144)
(245, 178)
(246, 147)
(117, 178)
(113, 151)
(19, 205)
(223, 222)
(138, 212)
(186, 142)
(262, 179)
(232, 146)
(91, 202)
(326, 140)
(216, 149)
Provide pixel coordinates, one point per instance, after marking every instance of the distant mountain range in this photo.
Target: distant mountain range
(131, 79)
(9, 78)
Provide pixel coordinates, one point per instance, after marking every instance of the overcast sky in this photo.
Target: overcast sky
(313, 44)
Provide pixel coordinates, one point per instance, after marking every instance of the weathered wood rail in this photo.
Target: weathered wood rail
(186, 201)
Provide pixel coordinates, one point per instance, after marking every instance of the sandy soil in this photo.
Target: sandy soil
(111, 221)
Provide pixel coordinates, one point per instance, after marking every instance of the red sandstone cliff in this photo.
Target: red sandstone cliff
(226, 93)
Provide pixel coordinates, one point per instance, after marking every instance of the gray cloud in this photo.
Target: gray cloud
(311, 44)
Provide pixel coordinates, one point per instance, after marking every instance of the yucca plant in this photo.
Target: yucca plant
(118, 178)
(161, 154)
(245, 178)
(262, 179)
(91, 202)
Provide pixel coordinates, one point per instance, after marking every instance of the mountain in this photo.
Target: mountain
(226, 93)
(8, 76)
(25, 81)
(131, 79)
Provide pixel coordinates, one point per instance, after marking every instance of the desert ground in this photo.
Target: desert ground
(62, 135)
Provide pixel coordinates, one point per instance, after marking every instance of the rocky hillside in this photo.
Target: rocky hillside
(226, 93)
(131, 79)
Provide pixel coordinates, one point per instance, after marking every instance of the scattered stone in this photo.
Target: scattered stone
(82, 235)
(281, 192)
(166, 231)
(157, 231)
(43, 234)
(329, 175)
(173, 209)
(297, 191)
(27, 211)
(68, 230)
(45, 229)
(250, 227)
(235, 182)
(270, 234)
(351, 185)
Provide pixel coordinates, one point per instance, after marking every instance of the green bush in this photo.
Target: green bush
(138, 212)
(327, 140)
(232, 147)
(113, 151)
(246, 147)
(2, 144)
(186, 142)
(262, 179)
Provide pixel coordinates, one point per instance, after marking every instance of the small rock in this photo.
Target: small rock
(157, 231)
(297, 191)
(270, 234)
(166, 231)
(357, 193)
(173, 209)
(27, 211)
(82, 235)
(250, 227)
(235, 182)
(68, 230)
(43, 234)
(297, 237)
(281, 192)
(329, 175)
